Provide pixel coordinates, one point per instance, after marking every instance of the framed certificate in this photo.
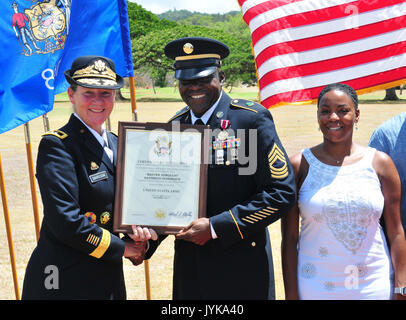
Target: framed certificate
(161, 179)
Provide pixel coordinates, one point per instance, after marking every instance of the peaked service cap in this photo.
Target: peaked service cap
(196, 57)
(94, 72)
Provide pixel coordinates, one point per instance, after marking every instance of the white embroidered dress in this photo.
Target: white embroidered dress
(342, 251)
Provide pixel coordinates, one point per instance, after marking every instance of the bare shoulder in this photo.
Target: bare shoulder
(382, 163)
(295, 160)
(300, 167)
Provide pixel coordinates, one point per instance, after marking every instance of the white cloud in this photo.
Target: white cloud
(206, 6)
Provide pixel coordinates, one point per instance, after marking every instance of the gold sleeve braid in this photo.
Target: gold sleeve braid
(103, 245)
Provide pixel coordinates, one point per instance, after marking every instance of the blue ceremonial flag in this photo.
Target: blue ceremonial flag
(40, 39)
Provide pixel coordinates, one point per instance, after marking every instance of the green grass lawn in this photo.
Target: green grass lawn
(171, 94)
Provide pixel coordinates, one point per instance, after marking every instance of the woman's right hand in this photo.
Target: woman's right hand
(142, 234)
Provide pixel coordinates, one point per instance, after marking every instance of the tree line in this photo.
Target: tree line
(150, 33)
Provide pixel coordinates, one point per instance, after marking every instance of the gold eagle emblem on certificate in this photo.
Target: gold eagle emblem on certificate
(160, 214)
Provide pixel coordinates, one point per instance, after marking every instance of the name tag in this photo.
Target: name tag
(98, 177)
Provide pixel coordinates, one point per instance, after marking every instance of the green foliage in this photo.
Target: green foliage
(196, 18)
(181, 15)
(143, 22)
(176, 15)
(150, 34)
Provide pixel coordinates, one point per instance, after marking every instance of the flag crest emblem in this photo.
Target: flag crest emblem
(41, 39)
(46, 20)
(44, 24)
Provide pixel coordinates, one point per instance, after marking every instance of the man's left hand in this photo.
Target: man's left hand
(198, 232)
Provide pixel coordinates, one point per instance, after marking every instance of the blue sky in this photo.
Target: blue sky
(203, 6)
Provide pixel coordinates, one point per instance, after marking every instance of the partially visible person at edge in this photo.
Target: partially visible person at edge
(227, 254)
(343, 189)
(390, 137)
(78, 256)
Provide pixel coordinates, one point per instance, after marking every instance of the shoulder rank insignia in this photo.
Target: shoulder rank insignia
(277, 163)
(243, 104)
(179, 113)
(57, 133)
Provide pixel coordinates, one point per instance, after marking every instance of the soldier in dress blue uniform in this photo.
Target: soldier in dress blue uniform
(227, 254)
(78, 256)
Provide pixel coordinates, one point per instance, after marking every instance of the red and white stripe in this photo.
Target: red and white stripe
(302, 45)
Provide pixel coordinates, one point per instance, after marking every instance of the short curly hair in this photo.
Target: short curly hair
(343, 88)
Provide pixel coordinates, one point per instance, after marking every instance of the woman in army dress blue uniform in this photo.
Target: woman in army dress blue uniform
(78, 256)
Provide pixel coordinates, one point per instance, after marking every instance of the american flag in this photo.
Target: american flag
(302, 45)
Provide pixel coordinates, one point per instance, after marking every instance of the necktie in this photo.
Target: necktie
(199, 121)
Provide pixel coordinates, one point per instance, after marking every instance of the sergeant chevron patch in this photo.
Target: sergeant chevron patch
(277, 163)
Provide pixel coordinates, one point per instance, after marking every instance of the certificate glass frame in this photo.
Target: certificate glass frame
(161, 176)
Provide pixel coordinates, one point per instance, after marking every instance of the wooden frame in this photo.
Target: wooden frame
(161, 178)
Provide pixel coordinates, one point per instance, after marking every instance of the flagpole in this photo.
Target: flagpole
(32, 179)
(45, 121)
(133, 100)
(135, 118)
(147, 279)
(8, 229)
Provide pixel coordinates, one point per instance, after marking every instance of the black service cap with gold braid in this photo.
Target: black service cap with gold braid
(196, 57)
(94, 72)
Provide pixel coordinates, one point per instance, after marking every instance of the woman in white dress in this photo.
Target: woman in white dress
(341, 251)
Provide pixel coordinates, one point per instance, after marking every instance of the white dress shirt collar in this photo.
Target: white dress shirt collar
(206, 116)
(101, 138)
